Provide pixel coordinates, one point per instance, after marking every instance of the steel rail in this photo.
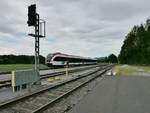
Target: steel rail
(44, 107)
(6, 104)
(7, 83)
(9, 72)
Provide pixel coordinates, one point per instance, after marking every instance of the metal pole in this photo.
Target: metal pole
(37, 44)
(35, 47)
(44, 28)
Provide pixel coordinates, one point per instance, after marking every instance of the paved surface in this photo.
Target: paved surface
(123, 94)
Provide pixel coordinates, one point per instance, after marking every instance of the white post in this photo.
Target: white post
(67, 66)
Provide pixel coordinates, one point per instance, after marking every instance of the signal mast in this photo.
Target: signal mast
(35, 21)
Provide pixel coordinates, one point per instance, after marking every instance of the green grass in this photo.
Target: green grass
(131, 70)
(145, 68)
(11, 67)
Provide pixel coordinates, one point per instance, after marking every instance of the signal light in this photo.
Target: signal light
(32, 15)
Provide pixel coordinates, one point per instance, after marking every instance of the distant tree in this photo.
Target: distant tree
(136, 46)
(102, 59)
(112, 58)
(19, 59)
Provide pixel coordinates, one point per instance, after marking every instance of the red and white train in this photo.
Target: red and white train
(61, 60)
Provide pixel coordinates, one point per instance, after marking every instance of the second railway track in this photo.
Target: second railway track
(40, 100)
(7, 83)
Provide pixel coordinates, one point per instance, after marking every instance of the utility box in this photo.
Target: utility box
(23, 79)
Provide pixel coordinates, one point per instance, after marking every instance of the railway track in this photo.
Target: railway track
(7, 83)
(40, 100)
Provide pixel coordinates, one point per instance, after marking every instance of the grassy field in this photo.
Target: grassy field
(132, 70)
(10, 67)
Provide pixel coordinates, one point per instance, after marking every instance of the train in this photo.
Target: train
(60, 60)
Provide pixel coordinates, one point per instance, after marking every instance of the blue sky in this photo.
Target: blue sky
(91, 28)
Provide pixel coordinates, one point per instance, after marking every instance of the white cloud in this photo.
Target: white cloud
(81, 27)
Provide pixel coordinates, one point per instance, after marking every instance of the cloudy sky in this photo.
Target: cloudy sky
(90, 28)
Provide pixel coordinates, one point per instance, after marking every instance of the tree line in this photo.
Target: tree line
(26, 59)
(108, 59)
(19, 59)
(136, 46)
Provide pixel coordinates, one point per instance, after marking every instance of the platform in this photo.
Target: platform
(119, 94)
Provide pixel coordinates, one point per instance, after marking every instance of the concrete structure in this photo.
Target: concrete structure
(23, 79)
